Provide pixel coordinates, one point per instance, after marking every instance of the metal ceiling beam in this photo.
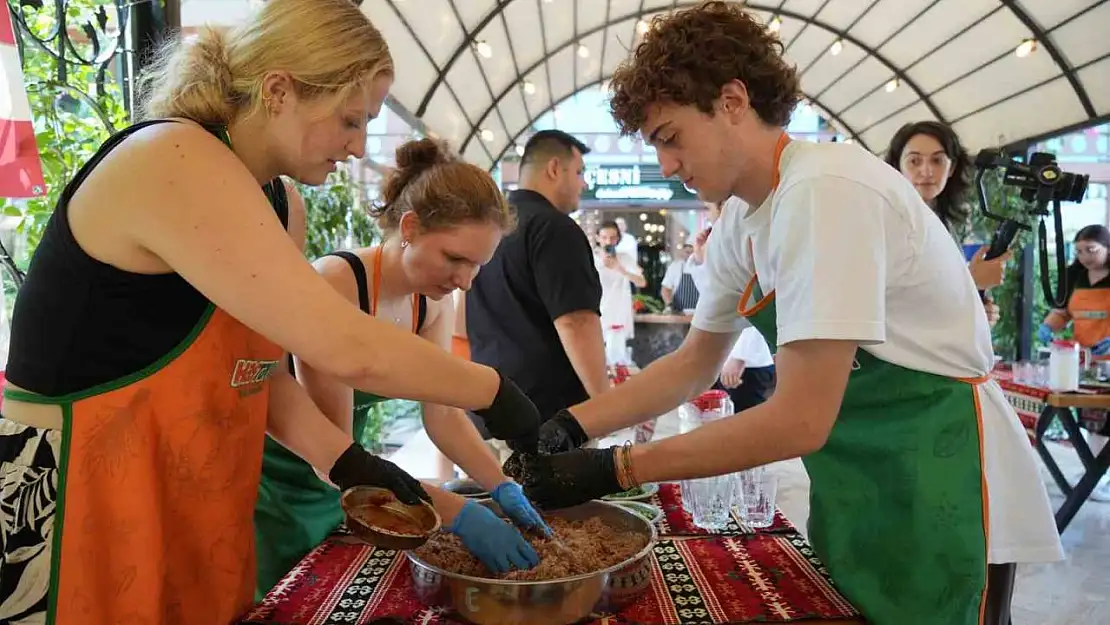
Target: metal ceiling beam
(1031, 88)
(802, 30)
(640, 13)
(834, 118)
(432, 61)
(516, 62)
(481, 69)
(1043, 40)
(981, 66)
(852, 25)
(468, 36)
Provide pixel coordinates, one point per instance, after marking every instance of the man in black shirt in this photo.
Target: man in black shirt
(533, 310)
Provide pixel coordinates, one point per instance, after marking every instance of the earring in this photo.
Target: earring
(404, 243)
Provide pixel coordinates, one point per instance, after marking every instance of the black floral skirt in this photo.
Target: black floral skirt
(28, 492)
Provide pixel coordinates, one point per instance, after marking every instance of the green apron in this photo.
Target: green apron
(898, 498)
(296, 510)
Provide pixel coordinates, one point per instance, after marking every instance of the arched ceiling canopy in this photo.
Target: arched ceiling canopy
(479, 73)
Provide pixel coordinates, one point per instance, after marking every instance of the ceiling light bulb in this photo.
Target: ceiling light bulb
(836, 47)
(892, 85)
(529, 87)
(1026, 47)
(487, 135)
(643, 216)
(583, 51)
(642, 27)
(520, 152)
(484, 49)
(775, 24)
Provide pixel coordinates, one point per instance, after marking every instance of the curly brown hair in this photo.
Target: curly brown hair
(686, 57)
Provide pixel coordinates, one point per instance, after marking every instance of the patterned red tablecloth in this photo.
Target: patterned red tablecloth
(766, 577)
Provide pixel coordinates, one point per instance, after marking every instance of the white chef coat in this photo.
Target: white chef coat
(616, 293)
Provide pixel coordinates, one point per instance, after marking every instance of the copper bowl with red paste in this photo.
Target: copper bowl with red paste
(375, 516)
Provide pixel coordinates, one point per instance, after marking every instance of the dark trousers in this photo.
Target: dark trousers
(1000, 593)
(756, 385)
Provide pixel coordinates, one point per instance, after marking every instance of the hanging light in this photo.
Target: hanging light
(1025, 48)
(836, 47)
(519, 149)
(642, 27)
(583, 51)
(487, 135)
(484, 49)
(529, 87)
(775, 24)
(892, 85)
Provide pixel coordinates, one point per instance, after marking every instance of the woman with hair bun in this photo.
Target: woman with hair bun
(147, 361)
(442, 221)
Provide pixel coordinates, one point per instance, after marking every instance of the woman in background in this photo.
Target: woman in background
(930, 156)
(1088, 309)
(442, 219)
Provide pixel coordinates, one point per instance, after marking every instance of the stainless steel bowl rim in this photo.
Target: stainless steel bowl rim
(558, 580)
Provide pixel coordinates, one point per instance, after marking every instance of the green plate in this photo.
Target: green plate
(652, 514)
(645, 491)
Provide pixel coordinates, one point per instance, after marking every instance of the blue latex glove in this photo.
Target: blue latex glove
(510, 496)
(1044, 333)
(1101, 348)
(497, 544)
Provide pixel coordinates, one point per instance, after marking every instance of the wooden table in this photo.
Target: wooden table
(1065, 407)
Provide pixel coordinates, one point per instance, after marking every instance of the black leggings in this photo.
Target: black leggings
(1000, 593)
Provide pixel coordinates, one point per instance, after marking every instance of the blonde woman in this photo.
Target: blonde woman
(147, 360)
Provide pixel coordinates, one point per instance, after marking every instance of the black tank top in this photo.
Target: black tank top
(79, 323)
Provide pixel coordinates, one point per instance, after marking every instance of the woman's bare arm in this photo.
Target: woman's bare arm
(200, 211)
(449, 428)
(331, 394)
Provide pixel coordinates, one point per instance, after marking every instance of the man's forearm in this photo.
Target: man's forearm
(662, 386)
(454, 435)
(760, 435)
(295, 422)
(580, 334)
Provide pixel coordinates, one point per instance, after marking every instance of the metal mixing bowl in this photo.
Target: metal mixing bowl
(552, 602)
(422, 517)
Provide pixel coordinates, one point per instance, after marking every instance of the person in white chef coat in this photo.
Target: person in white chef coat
(619, 272)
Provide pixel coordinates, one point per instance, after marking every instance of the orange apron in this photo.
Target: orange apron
(158, 477)
(460, 347)
(1090, 313)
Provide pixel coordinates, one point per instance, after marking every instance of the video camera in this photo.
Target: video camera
(1041, 181)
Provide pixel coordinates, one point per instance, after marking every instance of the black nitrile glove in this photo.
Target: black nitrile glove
(567, 479)
(358, 467)
(561, 433)
(512, 417)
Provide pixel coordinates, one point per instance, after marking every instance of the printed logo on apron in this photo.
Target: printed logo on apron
(251, 374)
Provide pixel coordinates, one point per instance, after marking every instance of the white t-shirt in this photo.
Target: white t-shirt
(616, 293)
(853, 253)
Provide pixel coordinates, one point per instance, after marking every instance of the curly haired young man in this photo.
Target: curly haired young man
(924, 488)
